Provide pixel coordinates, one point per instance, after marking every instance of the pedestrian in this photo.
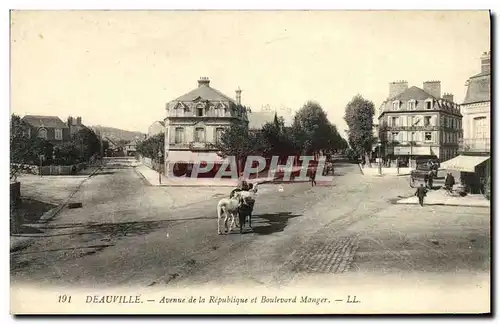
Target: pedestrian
(421, 193)
(431, 179)
(426, 179)
(449, 182)
(313, 177)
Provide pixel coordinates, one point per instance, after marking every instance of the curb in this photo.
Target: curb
(143, 178)
(56, 210)
(148, 183)
(442, 204)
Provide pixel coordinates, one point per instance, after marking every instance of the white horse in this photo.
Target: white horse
(229, 207)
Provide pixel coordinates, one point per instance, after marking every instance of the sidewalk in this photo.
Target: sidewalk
(56, 190)
(440, 197)
(152, 178)
(374, 171)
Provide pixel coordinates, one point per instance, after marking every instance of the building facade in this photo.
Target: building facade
(474, 161)
(156, 128)
(419, 123)
(476, 110)
(50, 128)
(194, 123)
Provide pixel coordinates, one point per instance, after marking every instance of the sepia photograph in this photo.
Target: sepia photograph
(250, 162)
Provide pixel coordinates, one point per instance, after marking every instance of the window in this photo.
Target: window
(428, 105)
(412, 136)
(395, 105)
(42, 133)
(58, 134)
(179, 110)
(199, 111)
(199, 135)
(427, 121)
(428, 136)
(394, 121)
(411, 105)
(218, 134)
(480, 127)
(219, 111)
(395, 136)
(179, 135)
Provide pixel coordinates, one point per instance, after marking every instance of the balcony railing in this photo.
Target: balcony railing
(413, 128)
(194, 146)
(475, 145)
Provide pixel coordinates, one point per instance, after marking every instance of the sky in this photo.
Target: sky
(120, 68)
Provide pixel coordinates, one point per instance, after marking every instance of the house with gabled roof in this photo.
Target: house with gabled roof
(50, 128)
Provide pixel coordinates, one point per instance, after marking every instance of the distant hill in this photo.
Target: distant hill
(116, 134)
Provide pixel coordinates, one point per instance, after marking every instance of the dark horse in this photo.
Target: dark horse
(246, 208)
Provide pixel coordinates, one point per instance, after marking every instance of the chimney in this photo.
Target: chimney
(204, 82)
(238, 96)
(78, 121)
(70, 121)
(397, 87)
(433, 88)
(485, 62)
(448, 97)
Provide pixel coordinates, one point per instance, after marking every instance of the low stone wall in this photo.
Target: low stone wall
(152, 164)
(58, 169)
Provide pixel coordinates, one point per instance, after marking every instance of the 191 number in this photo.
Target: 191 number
(64, 299)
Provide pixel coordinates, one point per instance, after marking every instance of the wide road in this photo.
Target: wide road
(127, 233)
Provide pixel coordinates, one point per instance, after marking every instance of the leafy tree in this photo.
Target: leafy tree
(87, 142)
(312, 131)
(359, 118)
(239, 142)
(152, 145)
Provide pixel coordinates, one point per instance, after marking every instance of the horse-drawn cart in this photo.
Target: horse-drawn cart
(422, 174)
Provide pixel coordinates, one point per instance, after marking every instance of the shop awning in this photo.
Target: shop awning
(193, 157)
(464, 163)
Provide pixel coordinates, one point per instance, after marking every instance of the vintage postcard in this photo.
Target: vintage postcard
(250, 162)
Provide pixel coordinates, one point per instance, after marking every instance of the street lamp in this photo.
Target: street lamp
(379, 145)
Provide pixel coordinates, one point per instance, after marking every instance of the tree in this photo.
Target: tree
(359, 118)
(152, 145)
(238, 141)
(312, 131)
(20, 147)
(87, 142)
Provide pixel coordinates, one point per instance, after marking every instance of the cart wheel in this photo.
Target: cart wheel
(412, 182)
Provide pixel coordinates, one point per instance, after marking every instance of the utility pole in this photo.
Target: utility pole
(160, 163)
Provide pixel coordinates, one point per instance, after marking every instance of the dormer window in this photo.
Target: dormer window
(200, 110)
(395, 105)
(428, 104)
(412, 104)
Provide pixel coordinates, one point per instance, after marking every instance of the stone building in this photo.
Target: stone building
(476, 110)
(474, 160)
(194, 123)
(419, 123)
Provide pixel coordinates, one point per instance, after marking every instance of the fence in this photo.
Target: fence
(58, 169)
(150, 163)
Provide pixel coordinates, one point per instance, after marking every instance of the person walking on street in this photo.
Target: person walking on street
(421, 193)
(313, 177)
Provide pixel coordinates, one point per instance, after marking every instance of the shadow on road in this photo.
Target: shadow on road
(274, 222)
